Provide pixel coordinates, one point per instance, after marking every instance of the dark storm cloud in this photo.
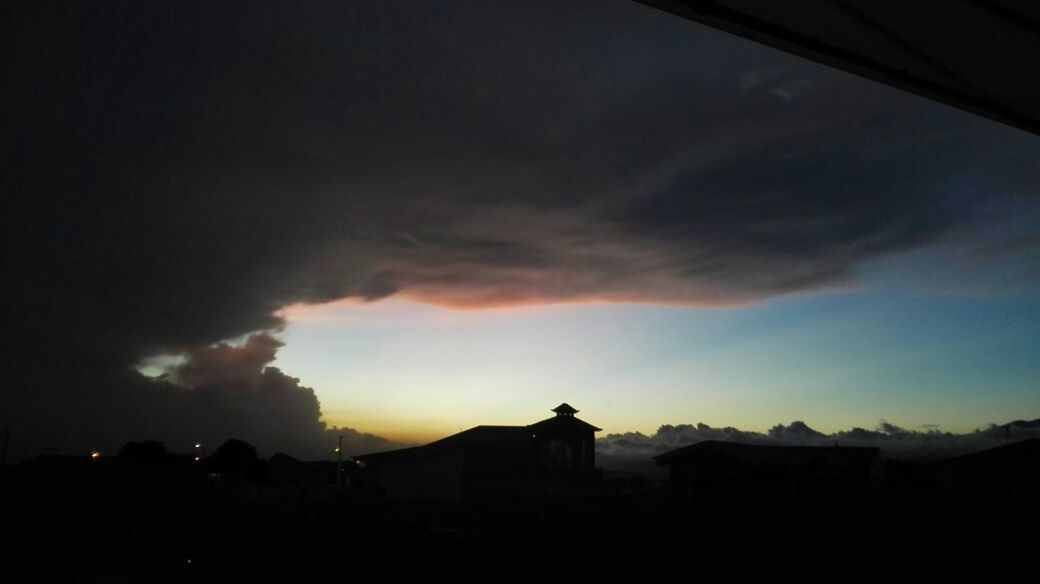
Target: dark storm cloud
(179, 172)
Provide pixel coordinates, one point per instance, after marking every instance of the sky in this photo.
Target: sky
(837, 361)
(397, 220)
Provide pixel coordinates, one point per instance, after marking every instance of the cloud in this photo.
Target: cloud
(178, 174)
(212, 394)
(224, 365)
(235, 392)
(635, 450)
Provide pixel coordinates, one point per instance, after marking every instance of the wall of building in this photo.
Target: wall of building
(436, 477)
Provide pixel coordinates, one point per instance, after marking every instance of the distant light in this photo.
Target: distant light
(336, 449)
(95, 454)
(198, 458)
(198, 445)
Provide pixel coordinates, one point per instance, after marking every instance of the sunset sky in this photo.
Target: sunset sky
(406, 219)
(837, 360)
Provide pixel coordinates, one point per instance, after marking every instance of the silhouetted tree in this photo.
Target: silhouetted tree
(235, 457)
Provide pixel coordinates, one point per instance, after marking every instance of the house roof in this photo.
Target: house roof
(1021, 455)
(482, 435)
(836, 458)
(964, 53)
(479, 436)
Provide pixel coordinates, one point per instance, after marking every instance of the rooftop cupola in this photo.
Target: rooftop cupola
(565, 409)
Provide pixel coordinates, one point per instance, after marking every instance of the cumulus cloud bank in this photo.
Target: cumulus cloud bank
(235, 392)
(635, 450)
(210, 395)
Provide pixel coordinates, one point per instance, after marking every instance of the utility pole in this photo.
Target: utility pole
(339, 462)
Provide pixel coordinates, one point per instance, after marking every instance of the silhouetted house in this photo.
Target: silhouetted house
(1003, 480)
(490, 460)
(728, 479)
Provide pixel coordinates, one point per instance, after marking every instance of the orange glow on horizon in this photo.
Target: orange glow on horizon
(403, 436)
(320, 312)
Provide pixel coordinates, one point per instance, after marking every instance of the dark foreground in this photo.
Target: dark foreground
(76, 519)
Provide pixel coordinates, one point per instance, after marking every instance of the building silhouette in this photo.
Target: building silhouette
(549, 456)
(714, 478)
(1004, 480)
